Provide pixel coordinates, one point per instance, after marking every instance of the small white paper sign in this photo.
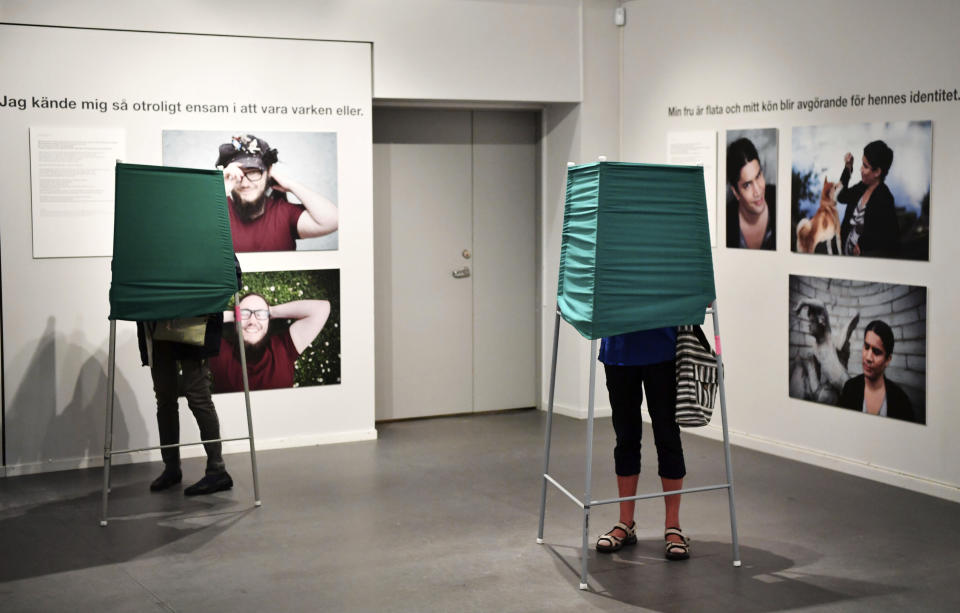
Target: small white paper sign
(72, 184)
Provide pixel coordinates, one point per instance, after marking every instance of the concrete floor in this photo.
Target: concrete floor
(441, 515)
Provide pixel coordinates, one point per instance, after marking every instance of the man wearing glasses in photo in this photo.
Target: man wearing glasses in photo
(261, 217)
(270, 356)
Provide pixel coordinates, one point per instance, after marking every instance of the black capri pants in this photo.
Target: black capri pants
(626, 396)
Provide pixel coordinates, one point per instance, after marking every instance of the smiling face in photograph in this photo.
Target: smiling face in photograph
(751, 187)
(254, 318)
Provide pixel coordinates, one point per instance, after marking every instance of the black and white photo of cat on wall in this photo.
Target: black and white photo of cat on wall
(862, 189)
(859, 345)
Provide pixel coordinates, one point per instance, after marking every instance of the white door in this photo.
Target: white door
(505, 252)
(455, 197)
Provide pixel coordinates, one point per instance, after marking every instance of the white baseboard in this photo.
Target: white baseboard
(849, 466)
(806, 455)
(579, 412)
(308, 440)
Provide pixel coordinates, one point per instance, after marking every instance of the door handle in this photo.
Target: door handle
(461, 273)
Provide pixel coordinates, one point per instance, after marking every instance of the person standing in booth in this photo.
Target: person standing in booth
(635, 362)
(182, 369)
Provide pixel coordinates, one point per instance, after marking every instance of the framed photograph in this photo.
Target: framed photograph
(282, 186)
(859, 345)
(291, 332)
(751, 193)
(862, 189)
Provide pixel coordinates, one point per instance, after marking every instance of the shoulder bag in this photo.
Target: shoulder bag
(697, 379)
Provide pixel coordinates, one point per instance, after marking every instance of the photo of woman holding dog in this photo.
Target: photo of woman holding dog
(886, 214)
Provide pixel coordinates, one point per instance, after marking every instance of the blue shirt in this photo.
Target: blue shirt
(639, 348)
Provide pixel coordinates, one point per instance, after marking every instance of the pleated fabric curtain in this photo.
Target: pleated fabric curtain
(635, 251)
(172, 250)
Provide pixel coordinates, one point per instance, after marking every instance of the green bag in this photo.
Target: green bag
(186, 330)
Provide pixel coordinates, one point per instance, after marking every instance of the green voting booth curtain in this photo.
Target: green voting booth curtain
(172, 250)
(635, 251)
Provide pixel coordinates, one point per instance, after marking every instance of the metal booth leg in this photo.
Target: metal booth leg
(246, 398)
(726, 440)
(586, 495)
(546, 449)
(108, 430)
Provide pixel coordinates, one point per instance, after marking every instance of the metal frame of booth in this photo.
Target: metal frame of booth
(586, 503)
(109, 452)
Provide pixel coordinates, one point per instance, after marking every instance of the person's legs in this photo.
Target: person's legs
(671, 504)
(626, 396)
(627, 486)
(163, 370)
(660, 384)
(196, 388)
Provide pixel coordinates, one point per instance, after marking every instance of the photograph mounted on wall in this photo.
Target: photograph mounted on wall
(859, 345)
(291, 332)
(752, 189)
(862, 189)
(281, 186)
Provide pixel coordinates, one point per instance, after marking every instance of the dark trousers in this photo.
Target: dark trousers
(626, 396)
(194, 382)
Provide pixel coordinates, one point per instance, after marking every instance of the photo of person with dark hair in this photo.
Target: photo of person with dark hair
(873, 230)
(872, 392)
(890, 377)
(281, 187)
(262, 220)
(752, 200)
(886, 214)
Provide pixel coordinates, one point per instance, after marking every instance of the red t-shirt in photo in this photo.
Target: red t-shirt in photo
(275, 230)
(275, 369)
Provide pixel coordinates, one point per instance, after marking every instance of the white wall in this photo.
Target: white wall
(55, 309)
(703, 52)
(577, 133)
(464, 51)
(696, 52)
(489, 50)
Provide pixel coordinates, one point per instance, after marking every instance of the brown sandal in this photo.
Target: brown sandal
(676, 550)
(608, 543)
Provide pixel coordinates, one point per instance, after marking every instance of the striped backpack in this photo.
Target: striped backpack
(697, 380)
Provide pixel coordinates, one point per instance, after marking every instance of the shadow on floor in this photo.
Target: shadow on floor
(641, 577)
(64, 534)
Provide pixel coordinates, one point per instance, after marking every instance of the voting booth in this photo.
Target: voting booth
(172, 259)
(635, 255)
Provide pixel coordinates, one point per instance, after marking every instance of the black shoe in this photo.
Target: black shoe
(209, 484)
(167, 479)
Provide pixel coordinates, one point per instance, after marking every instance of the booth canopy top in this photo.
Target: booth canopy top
(635, 251)
(172, 248)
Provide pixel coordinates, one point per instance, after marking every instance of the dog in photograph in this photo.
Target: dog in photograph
(824, 226)
(820, 374)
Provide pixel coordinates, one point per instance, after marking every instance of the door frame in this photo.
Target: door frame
(540, 197)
